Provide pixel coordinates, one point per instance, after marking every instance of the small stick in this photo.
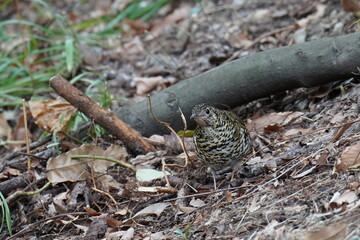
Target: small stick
(26, 135)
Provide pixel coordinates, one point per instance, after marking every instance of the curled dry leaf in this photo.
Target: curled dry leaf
(349, 157)
(9, 172)
(340, 199)
(273, 119)
(146, 84)
(63, 168)
(51, 115)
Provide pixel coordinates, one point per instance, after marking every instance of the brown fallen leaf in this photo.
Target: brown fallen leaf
(280, 119)
(19, 132)
(336, 231)
(63, 168)
(349, 157)
(138, 26)
(146, 84)
(351, 5)
(296, 131)
(9, 172)
(51, 115)
(175, 17)
(340, 199)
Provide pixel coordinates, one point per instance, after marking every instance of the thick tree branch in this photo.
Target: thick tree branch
(249, 78)
(101, 116)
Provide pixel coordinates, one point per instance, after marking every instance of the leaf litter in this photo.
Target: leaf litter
(304, 182)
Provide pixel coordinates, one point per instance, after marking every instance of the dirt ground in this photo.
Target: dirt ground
(297, 183)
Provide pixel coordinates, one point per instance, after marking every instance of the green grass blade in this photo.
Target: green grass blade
(7, 214)
(69, 50)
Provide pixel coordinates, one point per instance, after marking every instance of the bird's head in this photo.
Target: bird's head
(204, 115)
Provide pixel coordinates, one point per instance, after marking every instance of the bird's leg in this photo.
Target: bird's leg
(217, 175)
(213, 173)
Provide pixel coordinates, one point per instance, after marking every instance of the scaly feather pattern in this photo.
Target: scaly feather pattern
(221, 138)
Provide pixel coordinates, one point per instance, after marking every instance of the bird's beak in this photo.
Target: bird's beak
(198, 120)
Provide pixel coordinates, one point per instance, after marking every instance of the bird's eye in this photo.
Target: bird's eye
(207, 111)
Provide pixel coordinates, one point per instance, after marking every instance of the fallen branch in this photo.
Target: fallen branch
(108, 120)
(249, 78)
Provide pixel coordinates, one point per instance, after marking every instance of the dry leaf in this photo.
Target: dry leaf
(146, 84)
(148, 175)
(349, 157)
(340, 199)
(351, 5)
(197, 203)
(19, 132)
(296, 131)
(156, 208)
(175, 17)
(323, 158)
(5, 129)
(336, 231)
(133, 47)
(138, 26)
(272, 128)
(51, 115)
(112, 222)
(122, 212)
(280, 119)
(187, 210)
(91, 212)
(90, 55)
(107, 182)
(9, 172)
(63, 168)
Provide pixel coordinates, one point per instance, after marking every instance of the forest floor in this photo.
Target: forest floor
(297, 184)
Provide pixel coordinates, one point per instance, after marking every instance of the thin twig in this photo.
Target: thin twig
(204, 193)
(181, 141)
(26, 135)
(32, 226)
(105, 193)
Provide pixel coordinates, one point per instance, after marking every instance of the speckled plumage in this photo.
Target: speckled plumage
(221, 138)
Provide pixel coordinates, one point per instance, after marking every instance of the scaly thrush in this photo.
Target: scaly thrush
(221, 138)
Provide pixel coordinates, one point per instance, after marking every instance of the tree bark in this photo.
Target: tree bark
(249, 78)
